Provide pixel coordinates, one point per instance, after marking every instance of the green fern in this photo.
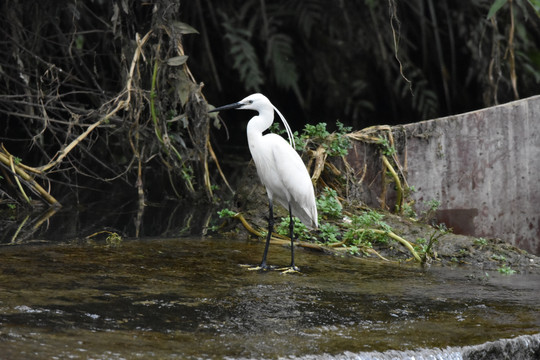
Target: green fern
(424, 100)
(279, 56)
(245, 59)
(308, 14)
(356, 103)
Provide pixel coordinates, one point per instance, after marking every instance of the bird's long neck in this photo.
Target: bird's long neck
(255, 128)
(260, 123)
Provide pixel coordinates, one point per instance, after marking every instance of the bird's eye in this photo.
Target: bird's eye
(250, 101)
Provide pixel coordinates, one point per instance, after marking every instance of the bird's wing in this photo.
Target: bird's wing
(291, 183)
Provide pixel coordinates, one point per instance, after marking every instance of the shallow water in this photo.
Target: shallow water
(190, 298)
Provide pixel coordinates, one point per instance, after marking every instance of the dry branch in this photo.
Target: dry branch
(106, 91)
(7, 159)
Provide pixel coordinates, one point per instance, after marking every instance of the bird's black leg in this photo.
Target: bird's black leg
(291, 230)
(263, 265)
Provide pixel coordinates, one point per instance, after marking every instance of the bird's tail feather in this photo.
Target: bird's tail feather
(307, 218)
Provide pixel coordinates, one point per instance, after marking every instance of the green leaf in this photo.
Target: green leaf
(309, 14)
(536, 6)
(226, 213)
(177, 60)
(497, 5)
(280, 57)
(329, 205)
(245, 59)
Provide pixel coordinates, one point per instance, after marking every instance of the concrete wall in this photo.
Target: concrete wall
(483, 167)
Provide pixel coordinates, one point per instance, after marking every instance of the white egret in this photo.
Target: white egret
(280, 169)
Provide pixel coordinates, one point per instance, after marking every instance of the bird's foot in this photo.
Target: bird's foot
(255, 267)
(290, 270)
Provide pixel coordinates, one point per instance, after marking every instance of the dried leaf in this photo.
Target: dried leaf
(177, 60)
(184, 28)
(183, 87)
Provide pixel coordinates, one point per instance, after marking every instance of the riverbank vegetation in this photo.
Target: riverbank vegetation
(101, 98)
(111, 96)
(347, 227)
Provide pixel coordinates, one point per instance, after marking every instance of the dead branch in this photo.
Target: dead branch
(7, 159)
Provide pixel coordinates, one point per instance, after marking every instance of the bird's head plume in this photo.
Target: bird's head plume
(258, 102)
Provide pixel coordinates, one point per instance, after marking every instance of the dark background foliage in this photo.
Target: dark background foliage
(63, 68)
(328, 60)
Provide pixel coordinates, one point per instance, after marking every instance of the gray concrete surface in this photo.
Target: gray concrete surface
(483, 167)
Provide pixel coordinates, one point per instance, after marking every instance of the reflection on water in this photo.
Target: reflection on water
(184, 298)
(127, 218)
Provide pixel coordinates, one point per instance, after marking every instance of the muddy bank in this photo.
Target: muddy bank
(454, 249)
(448, 250)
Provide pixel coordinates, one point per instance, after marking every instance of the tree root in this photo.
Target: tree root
(399, 188)
(396, 237)
(369, 135)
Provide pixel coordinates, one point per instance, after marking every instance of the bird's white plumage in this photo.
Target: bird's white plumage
(279, 166)
(285, 176)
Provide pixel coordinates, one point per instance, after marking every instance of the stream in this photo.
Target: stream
(189, 297)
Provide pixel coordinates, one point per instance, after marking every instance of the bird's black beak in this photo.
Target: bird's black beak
(227, 107)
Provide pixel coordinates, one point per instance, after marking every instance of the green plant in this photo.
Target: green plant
(373, 219)
(353, 250)
(420, 245)
(362, 249)
(329, 233)
(299, 141)
(241, 49)
(385, 146)
(428, 215)
(113, 239)
(434, 204)
(443, 229)
(336, 144)
(506, 270)
(277, 128)
(498, 257)
(279, 54)
(480, 242)
(425, 247)
(339, 144)
(360, 229)
(317, 131)
(408, 211)
(300, 230)
(328, 204)
(226, 213)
